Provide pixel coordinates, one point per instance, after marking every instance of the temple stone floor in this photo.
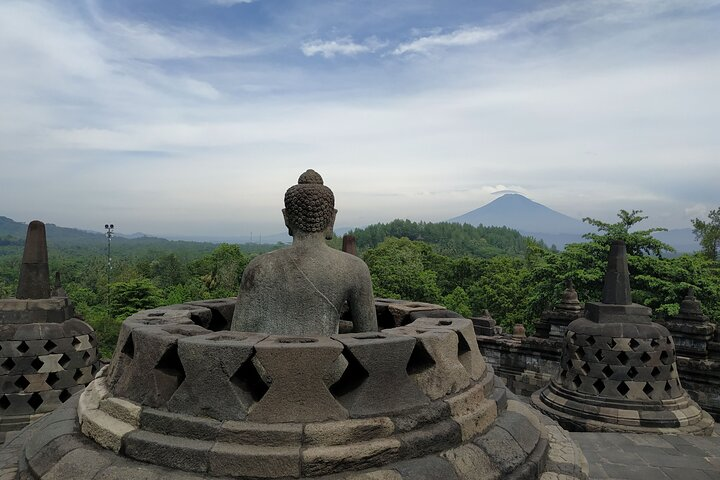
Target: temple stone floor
(658, 457)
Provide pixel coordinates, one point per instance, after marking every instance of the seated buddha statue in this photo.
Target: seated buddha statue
(301, 289)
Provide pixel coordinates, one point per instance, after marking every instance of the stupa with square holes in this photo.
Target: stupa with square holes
(618, 370)
(46, 355)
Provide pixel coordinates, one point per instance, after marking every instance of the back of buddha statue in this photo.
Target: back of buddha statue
(301, 289)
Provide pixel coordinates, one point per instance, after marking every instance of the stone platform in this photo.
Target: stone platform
(181, 401)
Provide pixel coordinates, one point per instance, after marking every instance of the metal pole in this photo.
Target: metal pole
(109, 230)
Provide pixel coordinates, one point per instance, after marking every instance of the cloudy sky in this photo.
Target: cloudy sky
(194, 116)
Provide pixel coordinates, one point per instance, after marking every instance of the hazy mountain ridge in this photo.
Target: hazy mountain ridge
(554, 228)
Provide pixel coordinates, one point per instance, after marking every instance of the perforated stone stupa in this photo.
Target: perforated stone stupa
(46, 355)
(618, 370)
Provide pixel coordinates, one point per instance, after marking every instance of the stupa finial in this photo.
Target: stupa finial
(34, 272)
(616, 289)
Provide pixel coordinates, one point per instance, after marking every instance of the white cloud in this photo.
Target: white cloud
(341, 46)
(229, 3)
(697, 210)
(458, 38)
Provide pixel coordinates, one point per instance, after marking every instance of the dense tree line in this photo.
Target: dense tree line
(467, 269)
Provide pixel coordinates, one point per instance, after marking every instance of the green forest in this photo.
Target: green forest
(467, 269)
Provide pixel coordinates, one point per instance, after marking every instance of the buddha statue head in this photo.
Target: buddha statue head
(309, 206)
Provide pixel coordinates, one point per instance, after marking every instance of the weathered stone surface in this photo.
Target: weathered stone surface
(421, 416)
(261, 434)
(430, 439)
(221, 312)
(468, 351)
(502, 449)
(431, 467)
(79, 464)
(434, 363)
(297, 393)
(357, 456)
(155, 371)
(471, 463)
(34, 281)
(168, 423)
(121, 409)
(107, 431)
(169, 451)
(347, 431)
(377, 360)
(221, 382)
(253, 461)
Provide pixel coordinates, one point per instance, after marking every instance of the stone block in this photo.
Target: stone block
(107, 431)
(221, 381)
(434, 363)
(347, 431)
(54, 450)
(468, 351)
(325, 460)
(430, 439)
(401, 311)
(122, 409)
(525, 433)
(376, 360)
(254, 461)
(472, 463)
(261, 434)
(200, 315)
(92, 396)
(80, 464)
(155, 371)
(421, 416)
(502, 449)
(477, 421)
(431, 467)
(297, 393)
(222, 312)
(168, 423)
(168, 451)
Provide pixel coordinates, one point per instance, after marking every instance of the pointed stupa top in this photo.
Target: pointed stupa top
(570, 298)
(616, 289)
(34, 273)
(690, 305)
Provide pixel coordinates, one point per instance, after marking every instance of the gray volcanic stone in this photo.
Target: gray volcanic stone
(431, 439)
(426, 468)
(34, 279)
(616, 288)
(502, 448)
(468, 351)
(167, 423)
(154, 372)
(434, 364)
(169, 451)
(377, 360)
(221, 380)
(301, 289)
(222, 312)
(297, 393)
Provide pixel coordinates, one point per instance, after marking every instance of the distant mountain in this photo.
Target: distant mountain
(520, 213)
(682, 239)
(554, 228)
(76, 240)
